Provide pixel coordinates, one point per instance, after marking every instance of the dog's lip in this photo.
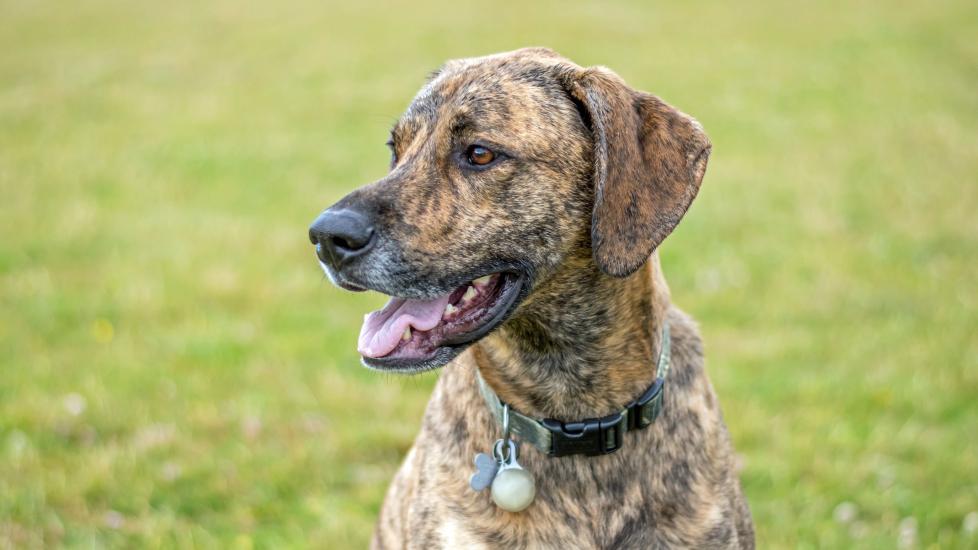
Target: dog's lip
(346, 285)
(506, 303)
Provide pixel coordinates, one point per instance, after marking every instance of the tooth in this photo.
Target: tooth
(469, 294)
(407, 334)
(482, 281)
(449, 310)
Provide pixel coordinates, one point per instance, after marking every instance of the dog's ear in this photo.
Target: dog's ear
(649, 160)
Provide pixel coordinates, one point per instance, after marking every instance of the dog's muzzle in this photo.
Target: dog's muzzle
(431, 317)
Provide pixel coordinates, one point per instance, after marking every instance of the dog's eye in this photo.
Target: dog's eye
(479, 155)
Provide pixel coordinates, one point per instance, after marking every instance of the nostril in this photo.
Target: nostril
(353, 240)
(340, 242)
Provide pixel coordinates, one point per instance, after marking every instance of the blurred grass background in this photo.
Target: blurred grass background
(174, 370)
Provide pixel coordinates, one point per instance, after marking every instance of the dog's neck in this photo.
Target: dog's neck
(583, 344)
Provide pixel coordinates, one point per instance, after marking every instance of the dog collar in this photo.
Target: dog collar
(592, 436)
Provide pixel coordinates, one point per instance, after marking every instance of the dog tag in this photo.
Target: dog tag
(513, 488)
(485, 471)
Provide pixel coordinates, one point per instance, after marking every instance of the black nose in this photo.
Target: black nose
(341, 235)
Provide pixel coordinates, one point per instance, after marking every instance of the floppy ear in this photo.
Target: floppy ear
(649, 160)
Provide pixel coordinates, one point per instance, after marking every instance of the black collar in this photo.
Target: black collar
(592, 436)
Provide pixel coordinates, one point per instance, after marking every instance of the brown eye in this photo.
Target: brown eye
(480, 156)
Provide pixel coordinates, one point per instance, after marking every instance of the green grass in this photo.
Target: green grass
(174, 370)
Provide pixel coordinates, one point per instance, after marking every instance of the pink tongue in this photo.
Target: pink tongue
(382, 330)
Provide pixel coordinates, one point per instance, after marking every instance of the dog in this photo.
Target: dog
(516, 234)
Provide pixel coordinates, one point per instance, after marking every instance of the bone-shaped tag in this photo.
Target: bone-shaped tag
(486, 468)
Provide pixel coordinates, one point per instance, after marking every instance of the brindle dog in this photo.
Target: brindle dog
(517, 234)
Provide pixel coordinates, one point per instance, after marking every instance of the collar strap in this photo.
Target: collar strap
(592, 436)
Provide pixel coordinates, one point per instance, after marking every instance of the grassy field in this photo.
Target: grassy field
(175, 372)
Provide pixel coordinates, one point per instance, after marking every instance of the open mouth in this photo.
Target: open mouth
(420, 334)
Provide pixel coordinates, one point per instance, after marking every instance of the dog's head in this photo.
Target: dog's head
(501, 168)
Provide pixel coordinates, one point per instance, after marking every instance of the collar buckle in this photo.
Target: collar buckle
(591, 437)
(644, 410)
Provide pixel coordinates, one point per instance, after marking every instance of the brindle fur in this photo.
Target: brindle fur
(596, 175)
